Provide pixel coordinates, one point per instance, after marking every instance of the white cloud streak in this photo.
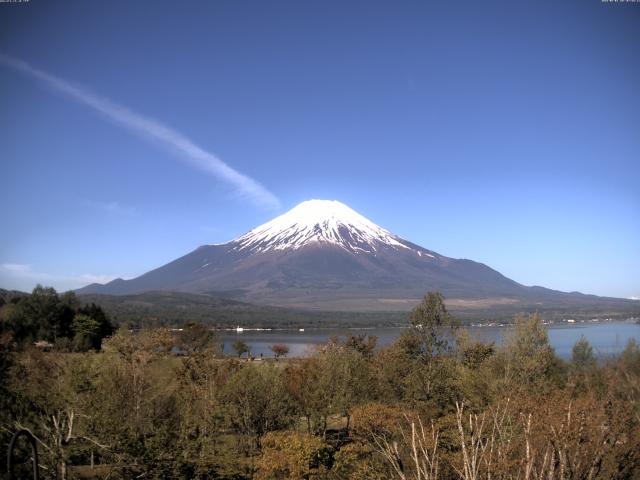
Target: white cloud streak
(174, 141)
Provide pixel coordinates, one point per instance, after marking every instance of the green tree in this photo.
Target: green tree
(530, 360)
(197, 338)
(13, 322)
(45, 315)
(41, 316)
(428, 344)
(86, 332)
(240, 347)
(105, 327)
(429, 321)
(331, 382)
(392, 366)
(630, 357)
(54, 319)
(582, 355)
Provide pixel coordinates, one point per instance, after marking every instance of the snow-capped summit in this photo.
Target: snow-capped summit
(318, 221)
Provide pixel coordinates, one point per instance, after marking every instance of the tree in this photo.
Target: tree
(471, 352)
(292, 456)
(53, 317)
(13, 322)
(362, 344)
(393, 365)
(90, 326)
(87, 332)
(7, 394)
(105, 327)
(582, 355)
(305, 387)
(280, 349)
(530, 359)
(135, 401)
(359, 461)
(257, 401)
(400, 439)
(630, 357)
(427, 345)
(45, 315)
(348, 378)
(240, 347)
(54, 404)
(428, 320)
(475, 354)
(197, 338)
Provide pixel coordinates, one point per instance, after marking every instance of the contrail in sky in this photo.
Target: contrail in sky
(150, 128)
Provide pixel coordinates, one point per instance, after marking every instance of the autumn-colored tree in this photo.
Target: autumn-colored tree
(54, 395)
(472, 353)
(363, 344)
(471, 411)
(135, 399)
(408, 447)
(257, 401)
(280, 349)
(291, 455)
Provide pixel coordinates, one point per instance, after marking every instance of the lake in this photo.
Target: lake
(607, 337)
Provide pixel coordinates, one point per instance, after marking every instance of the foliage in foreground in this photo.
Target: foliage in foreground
(434, 405)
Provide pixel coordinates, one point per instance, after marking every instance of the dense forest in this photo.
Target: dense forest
(436, 404)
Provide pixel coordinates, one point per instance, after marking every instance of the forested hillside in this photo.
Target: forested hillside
(153, 309)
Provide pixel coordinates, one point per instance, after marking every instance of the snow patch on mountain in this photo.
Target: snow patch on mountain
(319, 221)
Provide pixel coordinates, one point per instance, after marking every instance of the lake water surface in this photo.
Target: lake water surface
(607, 338)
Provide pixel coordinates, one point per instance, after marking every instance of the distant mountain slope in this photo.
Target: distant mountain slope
(7, 296)
(177, 308)
(324, 255)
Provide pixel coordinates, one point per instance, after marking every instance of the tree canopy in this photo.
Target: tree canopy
(57, 319)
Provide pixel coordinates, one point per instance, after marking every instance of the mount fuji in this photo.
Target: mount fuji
(323, 255)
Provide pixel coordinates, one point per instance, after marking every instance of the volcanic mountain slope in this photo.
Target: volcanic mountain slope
(323, 254)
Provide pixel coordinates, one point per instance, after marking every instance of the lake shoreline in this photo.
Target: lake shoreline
(606, 336)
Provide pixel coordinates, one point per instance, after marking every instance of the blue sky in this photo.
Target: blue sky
(503, 132)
